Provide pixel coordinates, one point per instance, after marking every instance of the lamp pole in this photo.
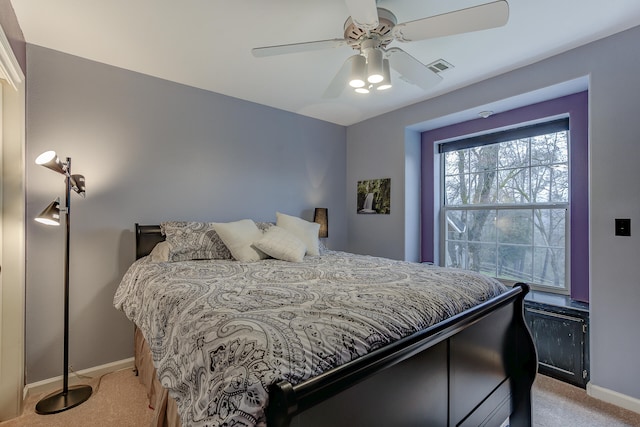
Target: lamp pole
(67, 220)
(68, 397)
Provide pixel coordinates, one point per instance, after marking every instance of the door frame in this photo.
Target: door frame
(12, 232)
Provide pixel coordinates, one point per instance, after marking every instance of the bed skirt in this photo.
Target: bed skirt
(164, 407)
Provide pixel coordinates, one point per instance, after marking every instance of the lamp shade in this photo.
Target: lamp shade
(375, 72)
(386, 81)
(358, 70)
(78, 184)
(51, 214)
(49, 159)
(321, 216)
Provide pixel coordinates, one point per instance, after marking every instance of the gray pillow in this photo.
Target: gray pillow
(190, 240)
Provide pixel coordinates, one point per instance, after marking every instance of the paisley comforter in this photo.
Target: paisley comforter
(221, 332)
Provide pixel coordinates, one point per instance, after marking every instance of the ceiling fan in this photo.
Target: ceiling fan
(370, 30)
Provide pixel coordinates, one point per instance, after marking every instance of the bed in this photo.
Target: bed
(474, 367)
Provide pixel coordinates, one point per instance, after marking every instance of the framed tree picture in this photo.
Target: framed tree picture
(374, 196)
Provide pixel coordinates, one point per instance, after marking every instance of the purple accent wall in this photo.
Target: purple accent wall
(11, 28)
(576, 106)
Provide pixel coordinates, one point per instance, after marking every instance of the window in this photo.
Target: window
(505, 204)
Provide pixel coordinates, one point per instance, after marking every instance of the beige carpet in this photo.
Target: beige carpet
(119, 400)
(558, 404)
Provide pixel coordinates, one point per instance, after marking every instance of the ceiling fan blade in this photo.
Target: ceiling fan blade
(485, 16)
(364, 13)
(411, 69)
(260, 52)
(339, 81)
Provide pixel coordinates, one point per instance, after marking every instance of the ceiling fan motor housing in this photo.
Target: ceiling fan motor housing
(382, 33)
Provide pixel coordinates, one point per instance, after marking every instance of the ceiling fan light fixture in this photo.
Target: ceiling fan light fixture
(358, 69)
(375, 66)
(386, 73)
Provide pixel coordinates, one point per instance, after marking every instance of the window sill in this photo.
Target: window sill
(556, 300)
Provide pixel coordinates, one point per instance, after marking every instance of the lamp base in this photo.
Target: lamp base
(60, 401)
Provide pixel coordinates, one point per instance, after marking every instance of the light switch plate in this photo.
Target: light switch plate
(623, 227)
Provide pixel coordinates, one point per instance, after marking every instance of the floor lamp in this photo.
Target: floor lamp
(68, 397)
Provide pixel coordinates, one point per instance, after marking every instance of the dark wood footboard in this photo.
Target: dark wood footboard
(474, 369)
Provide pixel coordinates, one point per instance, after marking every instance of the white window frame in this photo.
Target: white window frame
(444, 208)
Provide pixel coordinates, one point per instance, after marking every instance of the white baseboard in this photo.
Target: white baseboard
(613, 397)
(53, 384)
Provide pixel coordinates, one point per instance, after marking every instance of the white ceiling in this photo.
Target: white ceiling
(207, 44)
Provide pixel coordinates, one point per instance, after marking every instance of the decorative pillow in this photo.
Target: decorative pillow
(303, 230)
(193, 240)
(239, 236)
(264, 226)
(160, 252)
(281, 244)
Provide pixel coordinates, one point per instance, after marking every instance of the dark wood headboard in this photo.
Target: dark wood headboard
(147, 236)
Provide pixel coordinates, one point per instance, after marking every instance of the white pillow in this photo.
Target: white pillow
(160, 252)
(303, 230)
(239, 236)
(281, 244)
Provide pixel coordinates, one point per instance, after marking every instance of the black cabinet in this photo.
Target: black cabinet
(560, 329)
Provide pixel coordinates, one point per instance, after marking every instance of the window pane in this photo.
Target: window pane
(513, 186)
(456, 255)
(514, 226)
(515, 263)
(549, 149)
(550, 184)
(483, 158)
(559, 183)
(482, 258)
(482, 188)
(456, 162)
(481, 225)
(541, 184)
(513, 154)
(549, 267)
(456, 225)
(549, 227)
(455, 189)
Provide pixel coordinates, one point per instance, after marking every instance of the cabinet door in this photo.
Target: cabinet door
(560, 341)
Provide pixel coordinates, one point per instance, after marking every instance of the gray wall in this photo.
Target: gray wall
(376, 148)
(151, 150)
